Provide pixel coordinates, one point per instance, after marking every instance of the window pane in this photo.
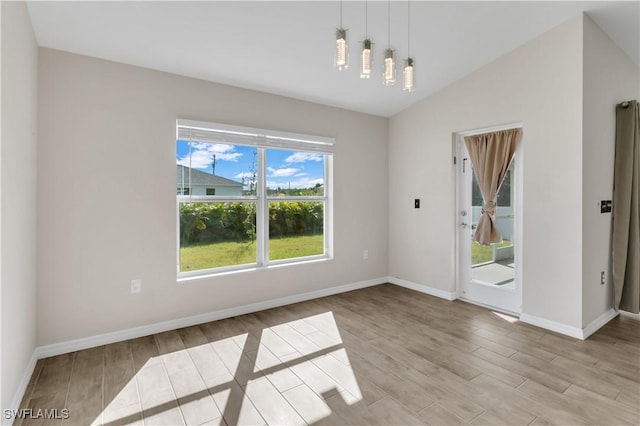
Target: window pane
(296, 229)
(294, 173)
(215, 169)
(214, 235)
(504, 195)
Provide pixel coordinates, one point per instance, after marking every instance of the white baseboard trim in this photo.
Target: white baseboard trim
(598, 323)
(567, 330)
(146, 330)
(448, 295)
(558, 327)
(22, 387)
(132, 333)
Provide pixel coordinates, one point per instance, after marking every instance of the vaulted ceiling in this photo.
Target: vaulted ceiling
(286, 47)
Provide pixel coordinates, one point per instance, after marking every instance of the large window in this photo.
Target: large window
(249, 198)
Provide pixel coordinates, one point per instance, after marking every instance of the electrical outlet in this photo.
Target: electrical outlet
(136, 286)
(602, 278)
(365, 254)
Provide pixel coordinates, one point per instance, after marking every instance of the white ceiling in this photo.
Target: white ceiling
(286, 47)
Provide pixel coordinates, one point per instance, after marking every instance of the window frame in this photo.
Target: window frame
(262, 140)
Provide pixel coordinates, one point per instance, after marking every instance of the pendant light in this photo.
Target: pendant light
(365, 56)
(409, 81)
(389, 75)
(342, 49)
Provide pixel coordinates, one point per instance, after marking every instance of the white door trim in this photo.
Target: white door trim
(518, 203)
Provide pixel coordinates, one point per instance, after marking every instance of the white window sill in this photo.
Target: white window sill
(213, 273)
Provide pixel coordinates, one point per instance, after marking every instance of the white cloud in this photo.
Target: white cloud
(286, 172)
(301, 174)
(301, 157)
(202, 155)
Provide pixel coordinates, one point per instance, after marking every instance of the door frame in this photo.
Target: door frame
(457, 138)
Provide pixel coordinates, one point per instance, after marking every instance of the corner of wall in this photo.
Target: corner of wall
(17, 241)
(609, 77)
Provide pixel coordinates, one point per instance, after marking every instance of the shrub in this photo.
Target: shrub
(223, 222)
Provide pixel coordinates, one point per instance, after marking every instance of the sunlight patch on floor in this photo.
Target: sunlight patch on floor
(282, 376)
(506, 317)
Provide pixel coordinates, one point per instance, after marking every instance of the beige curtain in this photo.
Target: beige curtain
(626, 209)
(491, 154)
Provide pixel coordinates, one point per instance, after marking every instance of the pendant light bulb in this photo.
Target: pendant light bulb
(365, 60)
(409, 84)
(342, 50)
(389, 76)
(409, 73)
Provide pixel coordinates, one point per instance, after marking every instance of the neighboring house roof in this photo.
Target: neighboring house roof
(199, 178)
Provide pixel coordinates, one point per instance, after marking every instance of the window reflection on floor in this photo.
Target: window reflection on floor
(282, 376)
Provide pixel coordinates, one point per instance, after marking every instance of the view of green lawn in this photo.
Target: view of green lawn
(482, 254)
(214, 255)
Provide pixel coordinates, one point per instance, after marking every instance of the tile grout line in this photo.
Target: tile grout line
(291, 405)
(166, 372)
(135, 376)
(102, 386)
(66, 398)
(200, 373)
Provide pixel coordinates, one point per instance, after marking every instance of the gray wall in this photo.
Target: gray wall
(540, 84)
(610, 77)
(17, 199)
(563, 86)
(101, 229)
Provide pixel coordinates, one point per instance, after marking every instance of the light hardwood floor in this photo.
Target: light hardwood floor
(381, 355)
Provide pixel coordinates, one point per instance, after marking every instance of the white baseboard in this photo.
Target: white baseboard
(22, 387)
(146, 330)
(448, 295)
(567, 330)
(132, 333)
(558, 327)
(598, 323)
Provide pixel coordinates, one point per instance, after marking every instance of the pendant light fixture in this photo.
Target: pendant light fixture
(365, 56)
(342, 49)
(409, 81)
(389, 75)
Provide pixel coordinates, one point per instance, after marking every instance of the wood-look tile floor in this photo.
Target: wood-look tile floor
(381, 355)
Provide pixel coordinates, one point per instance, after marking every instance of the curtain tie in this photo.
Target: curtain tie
(489, 208)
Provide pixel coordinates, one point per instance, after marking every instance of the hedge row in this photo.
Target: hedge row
(221, 222)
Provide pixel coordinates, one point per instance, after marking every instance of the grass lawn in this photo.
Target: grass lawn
(481, 254)
(206, 256)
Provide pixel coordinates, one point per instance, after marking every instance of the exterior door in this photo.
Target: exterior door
(488, 275)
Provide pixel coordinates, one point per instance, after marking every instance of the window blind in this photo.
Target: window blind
(197, 131)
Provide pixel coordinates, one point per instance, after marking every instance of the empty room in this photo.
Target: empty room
(383, 212)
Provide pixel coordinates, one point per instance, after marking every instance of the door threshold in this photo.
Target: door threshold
(491, 308)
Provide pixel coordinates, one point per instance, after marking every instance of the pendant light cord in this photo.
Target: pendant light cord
(366, 19)
(340, 13)
(408, 28)
(389, 23)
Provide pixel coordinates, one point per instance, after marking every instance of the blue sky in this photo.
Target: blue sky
(285, 169)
